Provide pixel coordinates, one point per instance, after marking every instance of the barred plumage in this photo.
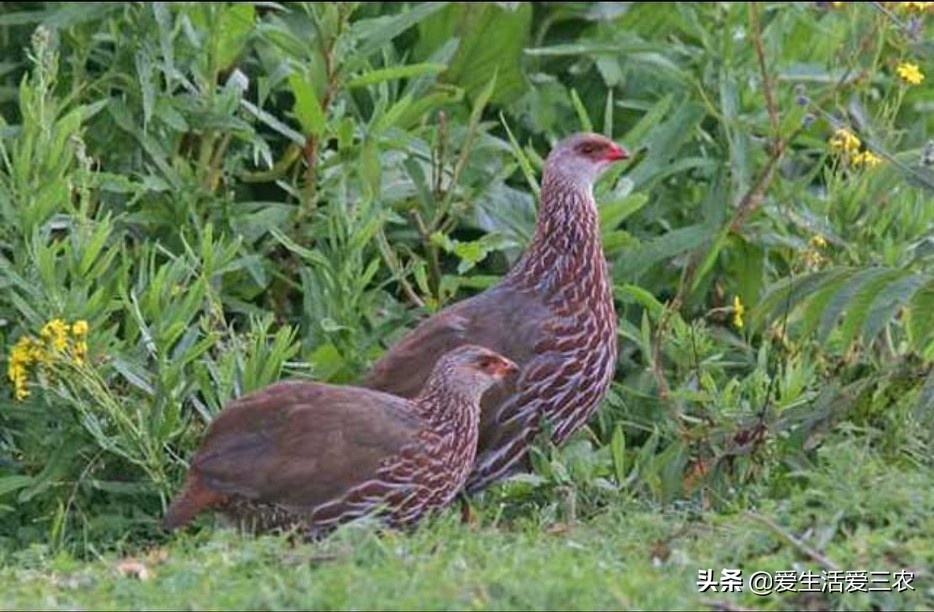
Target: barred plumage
(318, 455)
(552, 314)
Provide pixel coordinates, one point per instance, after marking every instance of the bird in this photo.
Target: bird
(313, 455)
(552, 314)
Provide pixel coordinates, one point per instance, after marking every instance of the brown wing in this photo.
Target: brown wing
(502, 318)
(300, 444)
(507, 320)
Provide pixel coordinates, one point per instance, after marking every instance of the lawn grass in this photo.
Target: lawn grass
(199, 199)
(853, 511)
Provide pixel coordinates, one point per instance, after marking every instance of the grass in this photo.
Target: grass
(852, 511)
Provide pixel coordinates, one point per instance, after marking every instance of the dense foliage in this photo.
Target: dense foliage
(199, 199)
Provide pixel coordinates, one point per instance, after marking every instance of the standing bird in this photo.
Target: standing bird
(552, 314)
(317, 455)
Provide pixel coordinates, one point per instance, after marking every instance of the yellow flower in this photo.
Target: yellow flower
(738, 311)
(56, 332)
(844, 140)
(80, 328)
(910, 73)
(837, 4)
(813, 258)
(817, 241)
(40, 354)
(54, 343)
(20, 358)
(20, 388)
(867, 158)
(915, 6)
(21, 351)
(80, 352)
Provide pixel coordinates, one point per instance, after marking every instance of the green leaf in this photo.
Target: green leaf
(275, 124)
(394, 72)
(393, 115)
(920, 317)
(888, 301)
(829, 311)
(626, 292)
(491, 41)
(608, 114)
(8, 484)
(306, 254)
(144, 70)
(415, 112)
(818, 304)
(747, 266)
(483, 98)
(923, 410)
(470, 253)
(582, 116)
(857, 309)
(736, 130)
(664, 141)
(522, 158)
(618, 239)
(616, 211)
(234, 29)
(307, 107)
(658, 249)
(790, 292)
(594, 48)
(618, 452)
(376, 32)
(64, 16)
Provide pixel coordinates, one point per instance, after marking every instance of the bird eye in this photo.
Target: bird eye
(484, 363)
(589, 148)
(489, 365)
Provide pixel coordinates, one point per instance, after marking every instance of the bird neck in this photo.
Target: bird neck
(566, 247)
(446, 405)
(452, 412)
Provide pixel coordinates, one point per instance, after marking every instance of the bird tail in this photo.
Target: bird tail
(193, 498)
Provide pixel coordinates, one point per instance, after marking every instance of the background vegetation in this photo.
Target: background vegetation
(199, 199)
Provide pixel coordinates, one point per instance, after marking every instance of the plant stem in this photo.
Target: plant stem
(313, 142)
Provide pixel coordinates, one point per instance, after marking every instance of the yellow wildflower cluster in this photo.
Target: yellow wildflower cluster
(867, 158)
(909, 7)
(910, 73)
(738, 311)
(57, 340)
(920, 7)
(844, 141)
(813, 257)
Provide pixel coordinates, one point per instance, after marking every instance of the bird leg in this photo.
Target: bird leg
(467, 514)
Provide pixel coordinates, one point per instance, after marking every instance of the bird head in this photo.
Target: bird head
(583, 157)
(473, 367)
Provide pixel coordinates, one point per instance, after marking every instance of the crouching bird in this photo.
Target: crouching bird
(314, 455)
(552, 314)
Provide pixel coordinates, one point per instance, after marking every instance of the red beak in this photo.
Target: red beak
(505, 368)
(616, 152)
